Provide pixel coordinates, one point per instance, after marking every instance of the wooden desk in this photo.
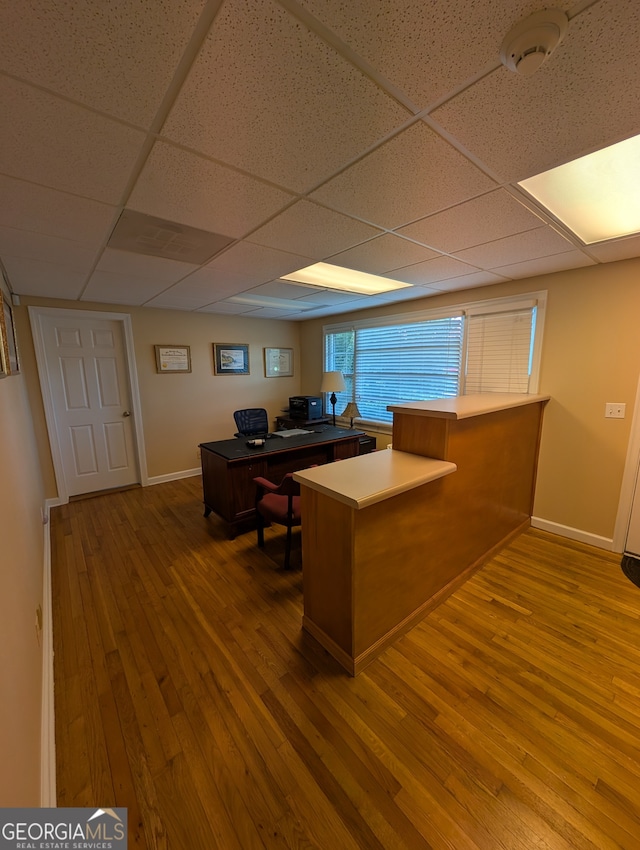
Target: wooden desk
(389, 535)
(229, 467)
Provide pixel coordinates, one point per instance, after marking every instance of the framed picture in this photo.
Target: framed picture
(9, 339)
(278, 362)
(173, 358)
(230, 358)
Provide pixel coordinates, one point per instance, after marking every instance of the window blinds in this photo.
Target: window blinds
(485, 347)
(397, 363)
(499, 347)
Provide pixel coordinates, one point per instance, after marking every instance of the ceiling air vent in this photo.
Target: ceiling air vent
(139, 233)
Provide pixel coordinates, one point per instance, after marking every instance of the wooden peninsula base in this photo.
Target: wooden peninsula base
(387, 536)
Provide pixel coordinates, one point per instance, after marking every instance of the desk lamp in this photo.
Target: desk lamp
(351, 410)
(333, 382)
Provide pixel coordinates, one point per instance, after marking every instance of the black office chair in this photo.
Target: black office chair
(251, 422)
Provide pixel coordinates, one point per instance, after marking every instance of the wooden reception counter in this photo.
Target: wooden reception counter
(387, 536)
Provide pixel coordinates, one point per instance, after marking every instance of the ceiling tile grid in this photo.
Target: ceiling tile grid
(256, 263)
(383, 254)
(268, 96)
(26, 245)
(424, 49)
(412, 175)
(46, 279)
(181, 186)
(307, 228)
(541, 242)
(384, 136)
(118, 58)
(38, 209)
(474, 222)
(60, 145)
(585, 96)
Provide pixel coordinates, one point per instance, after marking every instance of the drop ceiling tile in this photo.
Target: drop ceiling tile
(382, 254)
(118, 60)
(470, 281)
(332, 296)
(621, 249)
(271, 98)
(183, 187)
(409, 294)
(69, 148)
(227, 307)
(46, 280)
(482, 219)
(310, 230)
(203, 287)
(191, 295)
(27, 245)
(425, 49)
(282, 289)
(582, 99)
(274, 313)
(142, 265)
(412, 175)
(319, 313)
(432, 271)
(546, 265)
(541, 242)
(257, 263)
(357, 303)
(35, 208)
(302, 293)
(171, 300)
(120, 288)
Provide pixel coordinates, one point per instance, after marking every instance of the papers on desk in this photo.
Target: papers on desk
(291, 432)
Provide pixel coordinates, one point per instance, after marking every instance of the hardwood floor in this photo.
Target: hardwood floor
(509, 719)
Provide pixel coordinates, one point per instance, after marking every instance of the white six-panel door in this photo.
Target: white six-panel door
(87, 374)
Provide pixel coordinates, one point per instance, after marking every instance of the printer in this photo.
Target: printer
(305, 407)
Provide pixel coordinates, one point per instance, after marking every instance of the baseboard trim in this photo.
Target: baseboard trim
(573, 533)
(48, 727)
(174, 476)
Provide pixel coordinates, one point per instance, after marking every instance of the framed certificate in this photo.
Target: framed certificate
(173, 358)
(278, 362)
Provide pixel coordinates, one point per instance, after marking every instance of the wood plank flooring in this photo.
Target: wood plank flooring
(509, 719)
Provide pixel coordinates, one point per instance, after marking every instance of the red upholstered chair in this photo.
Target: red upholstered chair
(280, 504)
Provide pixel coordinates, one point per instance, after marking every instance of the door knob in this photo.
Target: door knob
(127, 413)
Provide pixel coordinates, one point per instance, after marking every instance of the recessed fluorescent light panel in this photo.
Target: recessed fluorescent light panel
(348, 280)
(597, 195)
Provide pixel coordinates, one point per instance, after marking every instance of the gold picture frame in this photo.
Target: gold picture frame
(6, 329)
(173, 358)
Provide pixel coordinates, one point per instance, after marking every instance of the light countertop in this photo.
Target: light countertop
(465, 406)
(366, 479)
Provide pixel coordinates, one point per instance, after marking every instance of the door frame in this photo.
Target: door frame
(629, 480)
(36, 314)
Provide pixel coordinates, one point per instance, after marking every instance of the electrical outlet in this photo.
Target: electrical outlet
(614, 410)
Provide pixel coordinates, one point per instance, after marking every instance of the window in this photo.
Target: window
(484, 347)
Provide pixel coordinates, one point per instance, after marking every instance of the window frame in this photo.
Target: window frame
(513, 303)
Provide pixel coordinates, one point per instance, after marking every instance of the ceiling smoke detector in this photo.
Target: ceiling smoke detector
(533, 40)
